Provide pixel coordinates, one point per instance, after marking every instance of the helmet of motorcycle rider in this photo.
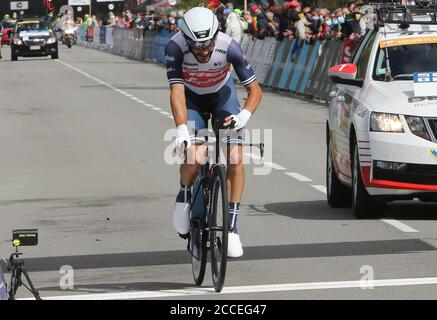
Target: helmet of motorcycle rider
(199, 27)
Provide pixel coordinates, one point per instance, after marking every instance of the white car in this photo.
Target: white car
(382, 120)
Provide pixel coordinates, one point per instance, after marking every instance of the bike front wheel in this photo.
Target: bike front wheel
(219, 227)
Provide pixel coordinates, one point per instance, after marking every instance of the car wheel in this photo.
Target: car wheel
(338, 195)
(363, 206)
(55, 55)
(14, 57)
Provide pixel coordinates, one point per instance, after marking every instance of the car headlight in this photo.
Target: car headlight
(385, 122)
(417, 126)
(18, 42)
(51, 40)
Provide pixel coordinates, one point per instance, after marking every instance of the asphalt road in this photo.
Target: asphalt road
(82, 159)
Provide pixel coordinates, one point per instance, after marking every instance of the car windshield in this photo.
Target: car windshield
(405, 60)
(33, 26)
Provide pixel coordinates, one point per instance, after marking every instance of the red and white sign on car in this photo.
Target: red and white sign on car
(344, 71)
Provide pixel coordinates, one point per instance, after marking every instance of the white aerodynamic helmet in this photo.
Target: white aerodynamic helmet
(199, 27)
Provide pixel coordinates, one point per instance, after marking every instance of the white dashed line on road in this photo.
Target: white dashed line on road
(399, 225)
(298, 176)
(274, 165)
(320, 188)
(165, 113)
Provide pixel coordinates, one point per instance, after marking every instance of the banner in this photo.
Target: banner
(79, 2)
(20, 5)
(348, 50)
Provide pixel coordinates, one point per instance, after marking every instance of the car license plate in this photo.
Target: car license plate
(35, 47)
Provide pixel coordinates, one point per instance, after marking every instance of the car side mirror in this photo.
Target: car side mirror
(345, 74)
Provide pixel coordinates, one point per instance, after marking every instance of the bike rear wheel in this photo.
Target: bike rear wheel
(198, 239)
(198, 232)
(219, 227)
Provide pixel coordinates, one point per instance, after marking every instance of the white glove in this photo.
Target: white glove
(183, 135)
(241, 119)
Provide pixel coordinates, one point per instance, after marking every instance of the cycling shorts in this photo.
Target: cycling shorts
(219, 105)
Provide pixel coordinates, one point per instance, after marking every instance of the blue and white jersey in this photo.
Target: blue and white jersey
(209, 77)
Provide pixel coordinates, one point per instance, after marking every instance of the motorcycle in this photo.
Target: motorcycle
(69, 35)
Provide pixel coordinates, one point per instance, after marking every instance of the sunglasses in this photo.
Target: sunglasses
(198, 46)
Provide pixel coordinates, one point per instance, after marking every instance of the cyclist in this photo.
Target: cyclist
(198, 59)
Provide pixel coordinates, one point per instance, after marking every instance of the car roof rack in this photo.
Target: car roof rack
(393, 13)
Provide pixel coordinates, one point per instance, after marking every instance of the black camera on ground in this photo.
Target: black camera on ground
(25, 237)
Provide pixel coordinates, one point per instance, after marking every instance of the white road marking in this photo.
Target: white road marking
(431, 242)
(112, 87)
(266, 163)
(394, 223)
(274, 165)
(250, 289)
(320, 188)
(399, 225)
(164, 113)
(298, 176)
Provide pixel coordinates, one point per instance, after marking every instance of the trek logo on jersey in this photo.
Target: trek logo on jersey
(220, 51)
(191, 64)
(204, 79)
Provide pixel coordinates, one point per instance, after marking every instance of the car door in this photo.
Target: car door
(345, 101)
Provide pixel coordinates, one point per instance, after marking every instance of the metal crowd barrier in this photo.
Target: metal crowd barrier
(291, 66)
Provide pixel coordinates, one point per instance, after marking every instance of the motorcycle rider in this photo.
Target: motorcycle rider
(66, 23)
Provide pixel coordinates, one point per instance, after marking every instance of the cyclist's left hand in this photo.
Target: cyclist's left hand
(240, 119)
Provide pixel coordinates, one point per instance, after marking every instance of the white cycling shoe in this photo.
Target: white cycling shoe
(235, 249)
(181, 217)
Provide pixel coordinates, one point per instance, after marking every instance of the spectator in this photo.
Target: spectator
(220, 13)
(172, 27)
(243, 22)
(234, 27)
(261, 25)
(180, 16)
(111, 22)
(302, 24)
(294, 19)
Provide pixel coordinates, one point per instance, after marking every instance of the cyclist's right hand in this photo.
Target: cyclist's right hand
(182, 141)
